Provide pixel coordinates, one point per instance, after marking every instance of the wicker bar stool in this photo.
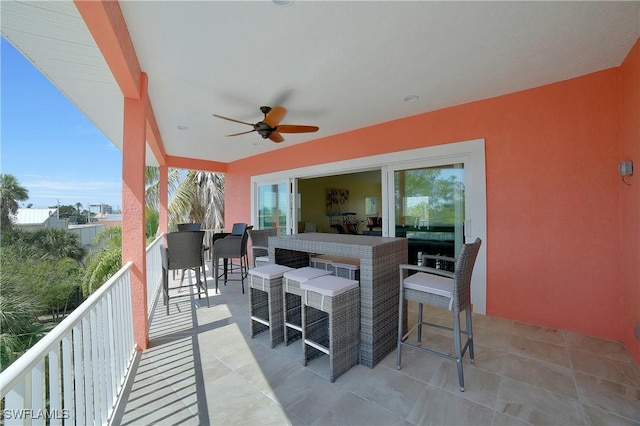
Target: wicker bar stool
(331, 322)
(320, 262)
(345, 269)
(265, 294)
(442, 289)
(292, 300)
(260, 245)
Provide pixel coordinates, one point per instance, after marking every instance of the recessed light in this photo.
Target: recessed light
(411, 98)
(283, 3)
(181, 127)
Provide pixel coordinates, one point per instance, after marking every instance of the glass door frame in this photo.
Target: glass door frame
(291, 185)
(471, 153)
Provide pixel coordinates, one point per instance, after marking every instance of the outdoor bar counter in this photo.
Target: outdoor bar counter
(379, 288)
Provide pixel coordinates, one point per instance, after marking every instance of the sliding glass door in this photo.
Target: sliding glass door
(273, 206)
(429, 209)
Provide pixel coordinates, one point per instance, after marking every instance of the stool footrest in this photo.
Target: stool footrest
(295, 327)
(316, 346)
(260, 320)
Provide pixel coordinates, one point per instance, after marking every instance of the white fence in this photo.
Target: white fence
(75, 373)
(154, 274)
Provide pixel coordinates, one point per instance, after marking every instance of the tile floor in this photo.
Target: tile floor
(203, 368)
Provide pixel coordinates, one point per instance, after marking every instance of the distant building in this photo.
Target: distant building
(35, 219)
(86, 233)
(100, 209)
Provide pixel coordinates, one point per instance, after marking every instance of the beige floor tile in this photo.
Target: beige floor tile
(479, 386)
(269, 371)
(542, 351)
(551, 377)
(214, 369)
(537, 332)
(233, 400)
(602, 347)
(500, 419)
(439, 407)
(537, 406)
(493, 323)
(395, 392)
(169, 412)
(487, 358)
(354, 410)
(433, 339)
(496, 339)
(609, 396)
(308, 396)
(416, 364)
(595, 417)
(626, 373)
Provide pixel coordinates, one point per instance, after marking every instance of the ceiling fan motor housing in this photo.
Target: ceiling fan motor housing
(264, 129)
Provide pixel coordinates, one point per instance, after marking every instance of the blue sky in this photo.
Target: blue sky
(51, 148)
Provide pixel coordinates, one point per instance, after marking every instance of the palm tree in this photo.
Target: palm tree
(10, 192)
(210, 199)
(59, 244)
(78, 207)
(105, 259)
(193, 197)
(20, 325)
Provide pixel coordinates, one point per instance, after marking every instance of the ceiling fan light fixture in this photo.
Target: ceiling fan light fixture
(411, 98)
(283, 3)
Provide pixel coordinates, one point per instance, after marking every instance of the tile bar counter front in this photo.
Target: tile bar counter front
(379, 288)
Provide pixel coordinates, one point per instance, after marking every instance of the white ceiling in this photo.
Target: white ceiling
(339, 65)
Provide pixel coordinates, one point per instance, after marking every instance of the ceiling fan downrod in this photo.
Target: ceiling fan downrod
(265, 110)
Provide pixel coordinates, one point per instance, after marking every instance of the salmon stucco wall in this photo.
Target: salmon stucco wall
(553, 190)
(630, 198)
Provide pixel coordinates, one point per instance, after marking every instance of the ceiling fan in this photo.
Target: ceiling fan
(270, 126)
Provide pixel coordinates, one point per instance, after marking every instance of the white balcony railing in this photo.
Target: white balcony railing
(76, 373)
(154, 273)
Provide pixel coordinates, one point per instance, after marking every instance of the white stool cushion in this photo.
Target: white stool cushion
(329, 285)
(304, 274)
(270, 271)
(430, 283)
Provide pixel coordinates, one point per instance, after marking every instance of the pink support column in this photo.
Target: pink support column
(164, 199)
(133, 203)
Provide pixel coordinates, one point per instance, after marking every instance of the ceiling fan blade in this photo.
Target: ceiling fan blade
(274, 116)
(291, 128)
(282, 97)
(234, 120)
(242, 133)
(276, 137)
